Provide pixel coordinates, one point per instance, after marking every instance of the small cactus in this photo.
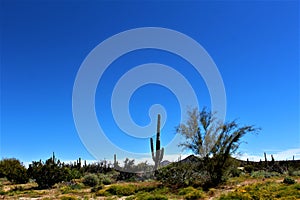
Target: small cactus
(158, 154)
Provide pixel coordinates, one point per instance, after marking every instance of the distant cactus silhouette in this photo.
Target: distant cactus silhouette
(116, 164)
(158, 154)
(272, 158)
(266, 160)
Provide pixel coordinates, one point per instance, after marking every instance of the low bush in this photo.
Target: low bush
(91, 180)
(147, 196)
(106, 179)
(264, 174)
(97, 188)
(67, 197)
(194, 195)
(288, 180)
(294, 172)
(190, 193)
(69, 188)
(122, 190)
(47, 174)
(267, 190)
(13, 170)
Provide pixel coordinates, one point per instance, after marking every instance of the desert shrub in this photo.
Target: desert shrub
(235, 196)
(122, 190)
(249, 168)
(148, 196)
(67, 197)
(186, 190)
(288, 180)
(293, 172)
(235, 172)
(97, 188)
(105, 179)
(90, 180)
(267, 190)
(75, 174)
(264, 174)
(194, 195)
(13, 170)
(49, 173)
(180, 175)
(190, 193)
(102, 192)
(211, 192)
(71, 187)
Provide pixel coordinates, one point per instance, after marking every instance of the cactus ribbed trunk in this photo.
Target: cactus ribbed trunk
(158, 154)
(116, 165)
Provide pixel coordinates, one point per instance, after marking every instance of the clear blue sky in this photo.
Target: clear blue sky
(255, 45)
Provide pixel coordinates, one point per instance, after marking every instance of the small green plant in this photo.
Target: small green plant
(67, 197)
(264, 174)
(288, 180)
(91, 180)
(190, 193)
(122, 190)
(147, 196)
(194, 195)
(97, 188)
(106, 181)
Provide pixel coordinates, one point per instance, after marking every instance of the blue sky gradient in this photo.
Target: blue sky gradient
(255, 45)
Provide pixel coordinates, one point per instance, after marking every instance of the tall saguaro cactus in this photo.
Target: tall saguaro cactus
(158, 154)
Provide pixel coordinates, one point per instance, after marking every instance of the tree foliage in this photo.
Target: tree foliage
(48, 173)
(214, 142)
(13, 170)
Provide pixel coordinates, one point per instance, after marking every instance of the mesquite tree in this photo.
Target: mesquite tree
(214, 142)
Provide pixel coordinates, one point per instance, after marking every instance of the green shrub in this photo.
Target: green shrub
(180, 175)
(13, 170)
(194, 195)
(90, 180)
(191, 193)
(122, 190)
(148, 196)
(288, 180)
(97, 188)
(186, 190)
(71, 188)
(235, 196)
(235, 172)
(102, 192)
(106, 181)
(294, 172)
(249, 168)
(67, 197)
(49, 173)
(264, 174)
(266, 190)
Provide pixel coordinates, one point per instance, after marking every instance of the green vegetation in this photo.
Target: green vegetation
(268, 190)
(289, 180)
(213, 142)
(212, 173)
(91, 180)
(13, 170)
(49, 173)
